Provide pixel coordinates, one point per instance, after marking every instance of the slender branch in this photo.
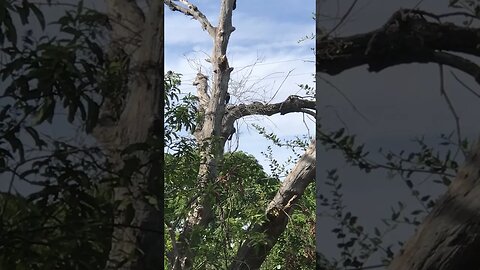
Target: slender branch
(309, 112)
(458, 62)
(444, 15)
(192, 11)
(292, 104)
(452, 110)
(465, 85)
(354, 107)
(405, 38)
(344, 17)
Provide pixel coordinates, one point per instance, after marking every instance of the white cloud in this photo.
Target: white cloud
(183, 31)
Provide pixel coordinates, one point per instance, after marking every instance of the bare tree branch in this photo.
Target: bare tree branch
(407, 37)
(292, 104)
(465, 85)
(342, 20)
(450, 235)
(192, 11)
(458, 62)
(452, 110)
(252, 254)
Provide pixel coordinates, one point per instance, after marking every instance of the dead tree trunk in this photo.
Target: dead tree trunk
(208, 133)
(251, 255)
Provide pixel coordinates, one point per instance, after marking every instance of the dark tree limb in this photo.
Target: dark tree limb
(407, 37)
(292, 104)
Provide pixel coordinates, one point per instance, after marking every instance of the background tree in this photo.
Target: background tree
(212, 129)
(53, 213)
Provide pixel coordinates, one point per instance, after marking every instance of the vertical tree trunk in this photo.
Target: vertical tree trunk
(208, 134)
(137, 238)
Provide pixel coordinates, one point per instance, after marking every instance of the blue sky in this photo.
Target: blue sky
(267, 58)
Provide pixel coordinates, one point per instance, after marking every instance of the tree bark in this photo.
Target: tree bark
(208, 132)
(449, 237)
(137, 238)
(252, 254)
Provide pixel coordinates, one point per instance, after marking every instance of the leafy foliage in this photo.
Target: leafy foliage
(64, 225)
(239, 195)
(356, 244)
(65, 220)
(295, 248)
(9, 9)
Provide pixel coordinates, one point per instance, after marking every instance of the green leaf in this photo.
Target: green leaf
(45, 112)
(92, 115)
(416, 212)
(38, 13)
(409, 183)
(339, 133)
(152, 200)
(16, 145)
(72, 109)
(11, 31)
(80, 7)
(34, 134)
(96, 50)
(3, 112)
(23, 13)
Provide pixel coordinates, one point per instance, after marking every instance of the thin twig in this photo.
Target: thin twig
(280, 86)
(465, 85)
(342, 20)
(346, 98)
(452, 110)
